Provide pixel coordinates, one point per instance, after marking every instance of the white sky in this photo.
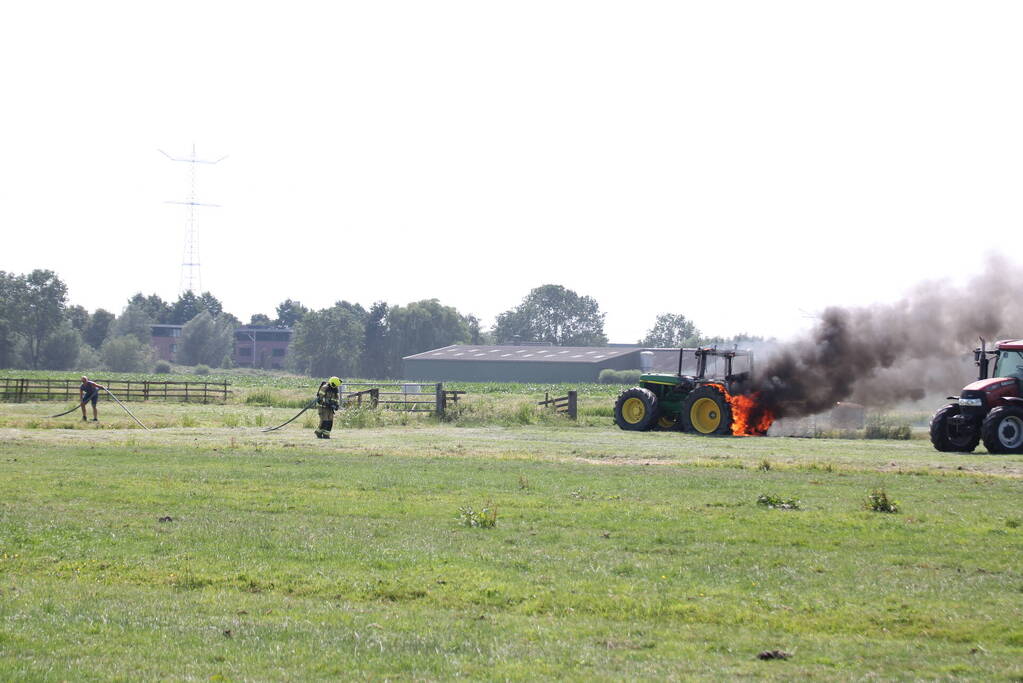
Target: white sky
(743, 163)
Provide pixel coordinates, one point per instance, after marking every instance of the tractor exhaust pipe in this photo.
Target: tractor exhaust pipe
(980, 355)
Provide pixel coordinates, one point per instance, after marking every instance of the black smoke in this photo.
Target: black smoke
(886, 354)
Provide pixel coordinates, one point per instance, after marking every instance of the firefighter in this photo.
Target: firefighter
(89, 391)
(329, 400)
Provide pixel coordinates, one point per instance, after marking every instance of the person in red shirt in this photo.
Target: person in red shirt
(89, 391)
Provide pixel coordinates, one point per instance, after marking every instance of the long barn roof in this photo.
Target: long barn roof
(533, 354)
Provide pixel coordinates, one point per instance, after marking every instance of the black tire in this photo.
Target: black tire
(636, 409)
(706, 411)
(1002, 430)
(949, 439)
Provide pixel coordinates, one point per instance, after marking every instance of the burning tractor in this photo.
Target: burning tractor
(988, 410)
(697, 403)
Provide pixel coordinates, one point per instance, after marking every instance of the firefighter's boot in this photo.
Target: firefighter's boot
(324, 431)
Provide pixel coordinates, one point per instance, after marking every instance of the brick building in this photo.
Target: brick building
(254, 346)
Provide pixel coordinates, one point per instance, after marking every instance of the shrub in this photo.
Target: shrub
(202, 369)
(878, 501)
(482, 519)
(126, 354)
(608, 376)
(88, 358)
(777, 502)
(162, 367)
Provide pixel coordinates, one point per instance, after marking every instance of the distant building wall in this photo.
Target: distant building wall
(261, 347)
(165, 341)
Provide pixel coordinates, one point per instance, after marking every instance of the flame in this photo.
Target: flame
(749, 416)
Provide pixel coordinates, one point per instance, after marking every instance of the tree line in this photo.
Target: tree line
(40, 329)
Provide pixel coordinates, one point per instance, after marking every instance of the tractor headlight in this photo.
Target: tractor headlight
(971, 402)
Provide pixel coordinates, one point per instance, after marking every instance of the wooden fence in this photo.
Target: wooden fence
(562, 404)
(19, 390)
(413, 398)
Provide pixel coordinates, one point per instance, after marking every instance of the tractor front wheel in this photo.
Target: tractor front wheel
(953, 436)
(636, 409)
(706, 411)
(1002, 430)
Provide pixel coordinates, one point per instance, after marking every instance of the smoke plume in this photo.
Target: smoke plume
(886, 354)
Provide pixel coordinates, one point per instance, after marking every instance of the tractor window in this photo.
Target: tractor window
(1010, 364)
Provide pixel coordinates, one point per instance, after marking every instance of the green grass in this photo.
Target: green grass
(614, 555)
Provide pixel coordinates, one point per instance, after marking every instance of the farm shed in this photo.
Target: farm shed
(519, 363)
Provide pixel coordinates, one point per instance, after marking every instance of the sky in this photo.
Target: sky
(746, 164)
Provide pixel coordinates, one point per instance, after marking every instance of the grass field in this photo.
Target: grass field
(205, 551)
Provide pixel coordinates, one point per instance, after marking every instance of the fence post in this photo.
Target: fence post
(440, 399)
(374, 395)
(572, 396)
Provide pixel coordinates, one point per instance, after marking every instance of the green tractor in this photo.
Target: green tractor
(690, 403)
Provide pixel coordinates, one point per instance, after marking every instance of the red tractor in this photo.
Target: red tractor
(988, 410)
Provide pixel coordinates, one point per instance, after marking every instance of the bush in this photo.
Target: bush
(88, 358)
(162, 367)
(480, 519)
(878, 501)
(777, 502)
(202, 369)
(619, 376)
(126, 354)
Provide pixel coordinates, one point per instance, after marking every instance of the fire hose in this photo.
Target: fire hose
(126, 409)
(307, 407)
(86, 400)
(80, 404)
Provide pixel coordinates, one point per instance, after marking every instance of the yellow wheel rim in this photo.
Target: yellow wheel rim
(633, 410)
(665, 422)
(705, 415)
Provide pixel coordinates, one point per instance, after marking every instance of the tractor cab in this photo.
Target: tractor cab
(694, 402)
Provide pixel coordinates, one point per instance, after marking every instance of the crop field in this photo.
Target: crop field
(503, 543)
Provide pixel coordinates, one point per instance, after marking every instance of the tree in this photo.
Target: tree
(78, 317)
(421, 326)
(134, 321)
(207, 340)
(185, 308)
(672, 330)
(126, 354)
(260, 320)
(158, 309)
(41, 312)
(290, 312)
(98, 327)
(476, 335)
(11, 288)
(553, 314)
(328, 342)
(60, 348)
(211, 304)
(374, 346)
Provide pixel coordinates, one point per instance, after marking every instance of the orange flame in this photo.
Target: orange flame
(749, 417)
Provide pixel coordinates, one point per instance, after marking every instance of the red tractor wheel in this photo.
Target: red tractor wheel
(953, 436)
(1002, 430)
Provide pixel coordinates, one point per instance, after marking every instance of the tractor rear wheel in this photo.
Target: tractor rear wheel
(951, 436)
(636, 409)
(706, 411)
(1002, 430)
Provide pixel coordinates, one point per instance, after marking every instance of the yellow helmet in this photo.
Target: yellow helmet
(334, 382)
